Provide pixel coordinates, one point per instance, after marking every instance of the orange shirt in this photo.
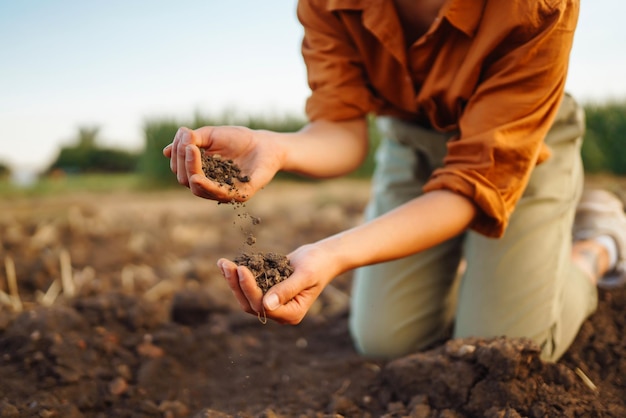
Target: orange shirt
(493, 71)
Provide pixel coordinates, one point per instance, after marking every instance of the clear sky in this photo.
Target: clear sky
(113, 64)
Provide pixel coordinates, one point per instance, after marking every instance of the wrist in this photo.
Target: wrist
(285, 146)
(278, 146)
(338, 253)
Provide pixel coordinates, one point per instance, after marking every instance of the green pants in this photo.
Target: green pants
(521, 285)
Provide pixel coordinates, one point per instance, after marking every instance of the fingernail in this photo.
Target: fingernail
(271, 301)
(224, 271)
(188, 153)
(185, 137)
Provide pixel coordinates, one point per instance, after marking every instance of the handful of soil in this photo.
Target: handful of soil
(268, 268)
(221, 170)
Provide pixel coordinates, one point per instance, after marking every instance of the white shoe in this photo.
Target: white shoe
(602, 213)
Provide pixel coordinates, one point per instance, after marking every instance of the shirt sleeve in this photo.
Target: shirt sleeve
(335, 70)
(504, 124)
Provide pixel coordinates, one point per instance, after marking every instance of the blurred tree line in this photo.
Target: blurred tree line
(87, 156)
(603, 147)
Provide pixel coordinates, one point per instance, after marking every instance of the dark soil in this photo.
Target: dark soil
(268, 268)
(152, 329)
(221, 170)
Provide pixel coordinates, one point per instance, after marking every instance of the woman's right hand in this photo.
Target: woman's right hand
(288, 301)
(255, 152)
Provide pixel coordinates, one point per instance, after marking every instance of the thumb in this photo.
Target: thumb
(283, 292)
(288, 301)
(271, 301)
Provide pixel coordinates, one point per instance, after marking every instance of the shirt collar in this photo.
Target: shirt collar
(464, 15)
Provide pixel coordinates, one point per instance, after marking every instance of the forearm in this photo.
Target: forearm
(325, 149)
(415, 226)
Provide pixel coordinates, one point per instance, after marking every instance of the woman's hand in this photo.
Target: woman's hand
(321, 149)
(433, 218)
(255, 152)
(288, 301)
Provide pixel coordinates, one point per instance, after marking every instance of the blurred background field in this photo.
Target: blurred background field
(85, 164)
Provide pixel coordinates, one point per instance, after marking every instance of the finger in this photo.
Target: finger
(193, 161)
(204, 136)
(207, 189)
(250, 289)
(173, 158)
(167, 151)
(184, 139)
(229, 271)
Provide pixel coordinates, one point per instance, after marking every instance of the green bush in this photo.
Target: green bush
(96, 160)
(85, 156)
(604, 145)
(154, 168)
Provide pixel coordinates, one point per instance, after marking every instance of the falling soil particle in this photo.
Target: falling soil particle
(268, 268)
(250, 240)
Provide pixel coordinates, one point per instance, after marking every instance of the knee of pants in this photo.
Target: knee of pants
(377, 342)
(386, 341)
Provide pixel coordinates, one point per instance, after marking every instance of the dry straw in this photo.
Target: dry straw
(9, 266)
(69, 287)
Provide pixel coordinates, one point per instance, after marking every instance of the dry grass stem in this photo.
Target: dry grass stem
(69, 287)
(586, 379)
(9, 266)
(52, 293)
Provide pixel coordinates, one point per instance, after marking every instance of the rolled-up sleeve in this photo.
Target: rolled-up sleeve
(335, 70)
(504, 123)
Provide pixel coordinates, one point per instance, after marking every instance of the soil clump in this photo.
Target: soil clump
(221, 170)
(268, 268)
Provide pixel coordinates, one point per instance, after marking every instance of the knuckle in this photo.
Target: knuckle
(179, 133)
